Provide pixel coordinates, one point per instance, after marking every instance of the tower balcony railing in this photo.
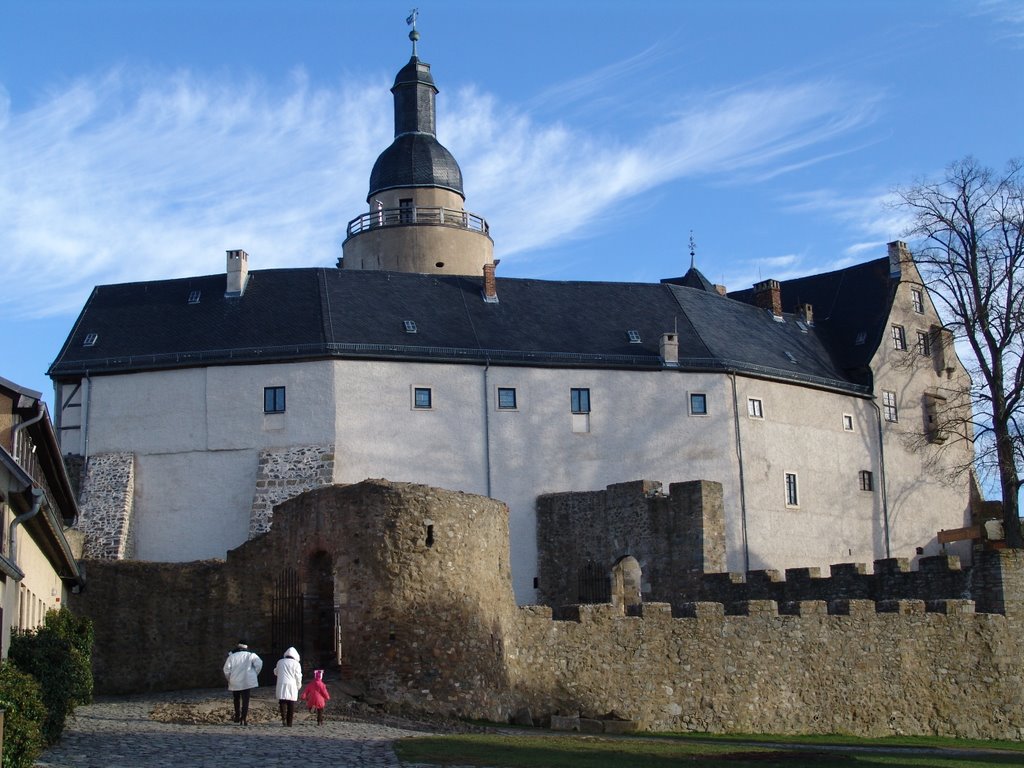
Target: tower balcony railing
(418, 215)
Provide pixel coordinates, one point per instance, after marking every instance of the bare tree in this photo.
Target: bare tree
(969, 233)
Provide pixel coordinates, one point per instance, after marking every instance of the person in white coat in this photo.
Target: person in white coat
(242, 670)
(289, 681)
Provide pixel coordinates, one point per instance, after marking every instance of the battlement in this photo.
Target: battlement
(936, 581)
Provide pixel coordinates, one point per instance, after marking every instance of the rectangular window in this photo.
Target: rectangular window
(755, 408)
(866, 481)
(698, 404)
(889, 409)
(917, 297)
(421, 397)
(406, 211)
(899, 337)
(580, 400)
(924, 343)
(847, 422)
(792, 497)
(507, 398)
(273, 399)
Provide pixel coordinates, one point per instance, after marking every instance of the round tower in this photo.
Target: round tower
(416, 220)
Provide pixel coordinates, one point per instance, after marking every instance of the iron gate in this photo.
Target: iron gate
(286, 613)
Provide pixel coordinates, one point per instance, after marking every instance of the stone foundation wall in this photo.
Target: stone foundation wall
(428, 621)
(106, 506)
(285, 473)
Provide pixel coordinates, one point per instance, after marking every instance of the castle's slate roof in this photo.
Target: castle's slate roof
(310, 313)
(851, 307)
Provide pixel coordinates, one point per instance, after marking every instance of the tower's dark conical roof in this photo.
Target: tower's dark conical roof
(415, 158)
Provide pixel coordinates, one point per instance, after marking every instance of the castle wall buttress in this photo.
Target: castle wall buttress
(284, 473)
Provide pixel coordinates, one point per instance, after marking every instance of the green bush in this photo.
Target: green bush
(24, 714)
(58, 655)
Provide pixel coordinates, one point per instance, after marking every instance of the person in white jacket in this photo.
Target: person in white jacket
(242, 670)
(289, 681)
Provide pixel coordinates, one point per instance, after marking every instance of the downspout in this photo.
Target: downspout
(27, 423)
(487, 424)
(743, 493)
(881, 479)
(37, 503)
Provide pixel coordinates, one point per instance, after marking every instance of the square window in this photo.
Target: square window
(755, 408)
(507, 398)
(579, 400)
(792, 497)
(899, 337)
(866, 481)
(273, 399)
(924, 343)
(421, 397)
(847, 422)
(889, 410)
(917, 297)
(698, 404)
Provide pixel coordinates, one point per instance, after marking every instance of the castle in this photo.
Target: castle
(194, 406)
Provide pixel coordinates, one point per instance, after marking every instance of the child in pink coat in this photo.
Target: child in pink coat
(315, 695)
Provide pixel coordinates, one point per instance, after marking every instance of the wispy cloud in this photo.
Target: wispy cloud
(142, 175)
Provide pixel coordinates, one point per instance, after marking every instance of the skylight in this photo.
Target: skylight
(90, 340)
(634, 337)
(861, 337)
(789, 355)
(410, 326)
(193, 297)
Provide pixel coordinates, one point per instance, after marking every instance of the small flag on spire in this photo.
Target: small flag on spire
(413, 15)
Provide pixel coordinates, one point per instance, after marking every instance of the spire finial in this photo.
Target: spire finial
(693, 251)
(413, 35)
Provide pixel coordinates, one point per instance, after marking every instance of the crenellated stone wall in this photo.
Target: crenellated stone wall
(106, 506)
(285, 473)
(420, 578)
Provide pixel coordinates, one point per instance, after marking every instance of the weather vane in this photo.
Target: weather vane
(693, 250)
(411, 21)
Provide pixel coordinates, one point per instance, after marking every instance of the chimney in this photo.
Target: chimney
(899, 254)
(670, 349)
(238, 273)
(768, 295)
(490, 284)
(720, 289)
(806, 312)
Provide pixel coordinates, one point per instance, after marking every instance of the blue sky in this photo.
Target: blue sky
(141, 139)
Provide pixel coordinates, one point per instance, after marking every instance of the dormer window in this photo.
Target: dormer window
(634, 337)
(410, 326)
(193, 297)
(90, 340)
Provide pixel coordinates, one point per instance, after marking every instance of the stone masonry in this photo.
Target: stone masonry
(428, 621)
(285, 473)
(673, 536)
(106, 506)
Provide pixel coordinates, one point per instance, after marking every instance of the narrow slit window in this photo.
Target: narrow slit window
(792, 494)
(755, 408)
(847, 422)
(867, 482)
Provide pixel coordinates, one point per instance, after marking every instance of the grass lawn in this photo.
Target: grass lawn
(530, 751)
